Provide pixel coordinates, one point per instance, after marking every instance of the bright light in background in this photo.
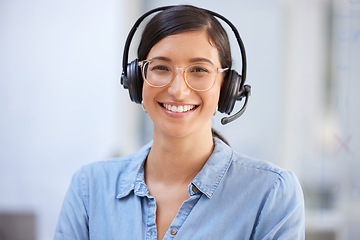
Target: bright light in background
(60, 102)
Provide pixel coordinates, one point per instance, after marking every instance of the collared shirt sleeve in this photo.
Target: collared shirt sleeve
(73, 219)
(282, 215)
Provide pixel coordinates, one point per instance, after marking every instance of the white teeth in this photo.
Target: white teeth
(179, 109)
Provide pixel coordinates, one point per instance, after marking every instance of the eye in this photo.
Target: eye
(198, 69)
(160, 68)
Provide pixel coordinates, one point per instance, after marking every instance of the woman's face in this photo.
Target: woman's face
(176, 109)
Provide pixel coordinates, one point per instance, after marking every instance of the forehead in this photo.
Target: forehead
(185, 46)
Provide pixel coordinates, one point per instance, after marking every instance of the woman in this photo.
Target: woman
(186, 183)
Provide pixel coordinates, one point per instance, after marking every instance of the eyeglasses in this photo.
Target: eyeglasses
(199, 76)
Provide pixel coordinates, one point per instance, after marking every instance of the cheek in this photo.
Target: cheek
(146, 93)
(216, 94)
(211, 97)
(149, 95)
(218, 86)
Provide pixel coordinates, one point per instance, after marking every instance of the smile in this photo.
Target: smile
(178, 109)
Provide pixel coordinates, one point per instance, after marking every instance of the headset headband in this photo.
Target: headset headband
(234, 91)
(233, 28)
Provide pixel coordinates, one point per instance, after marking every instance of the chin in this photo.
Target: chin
(182, 130)
(175, 132)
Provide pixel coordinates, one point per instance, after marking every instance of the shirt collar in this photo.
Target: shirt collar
(207, 180)
(134, 179)
(210, 176)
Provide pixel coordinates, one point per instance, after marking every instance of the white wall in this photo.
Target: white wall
(60, 102)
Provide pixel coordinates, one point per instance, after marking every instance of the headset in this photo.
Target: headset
(232, 90)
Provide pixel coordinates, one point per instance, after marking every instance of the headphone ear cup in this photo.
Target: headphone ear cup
(135, 81)
(229, 92)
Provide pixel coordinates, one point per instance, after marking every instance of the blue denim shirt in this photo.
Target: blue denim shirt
(232, 197)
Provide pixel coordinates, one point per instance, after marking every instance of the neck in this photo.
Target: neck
(177, 160)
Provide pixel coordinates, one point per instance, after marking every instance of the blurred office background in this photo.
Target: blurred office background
(61, 105)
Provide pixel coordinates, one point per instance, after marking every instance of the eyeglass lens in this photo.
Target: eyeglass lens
(199, 76)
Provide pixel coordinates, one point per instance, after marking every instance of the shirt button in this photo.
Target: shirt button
(173, 231)
(194, 188)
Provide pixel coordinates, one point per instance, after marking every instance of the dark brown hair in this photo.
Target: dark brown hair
(184, 18)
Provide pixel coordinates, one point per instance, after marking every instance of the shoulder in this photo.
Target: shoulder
(278, 195)
(127, 164)
(267, 180)
(276, 192)
(244, 172)
(247, 169)
(260, 168)
(120, 169)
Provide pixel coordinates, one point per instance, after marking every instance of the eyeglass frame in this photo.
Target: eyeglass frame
(142, 63)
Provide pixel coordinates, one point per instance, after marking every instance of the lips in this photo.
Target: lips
(178, 108)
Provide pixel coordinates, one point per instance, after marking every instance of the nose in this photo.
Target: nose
(178, 87)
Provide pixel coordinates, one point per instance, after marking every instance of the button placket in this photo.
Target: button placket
(151, 232)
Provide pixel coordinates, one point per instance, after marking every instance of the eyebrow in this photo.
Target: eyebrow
(192, 60)
(162, 58)
(201, 60)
